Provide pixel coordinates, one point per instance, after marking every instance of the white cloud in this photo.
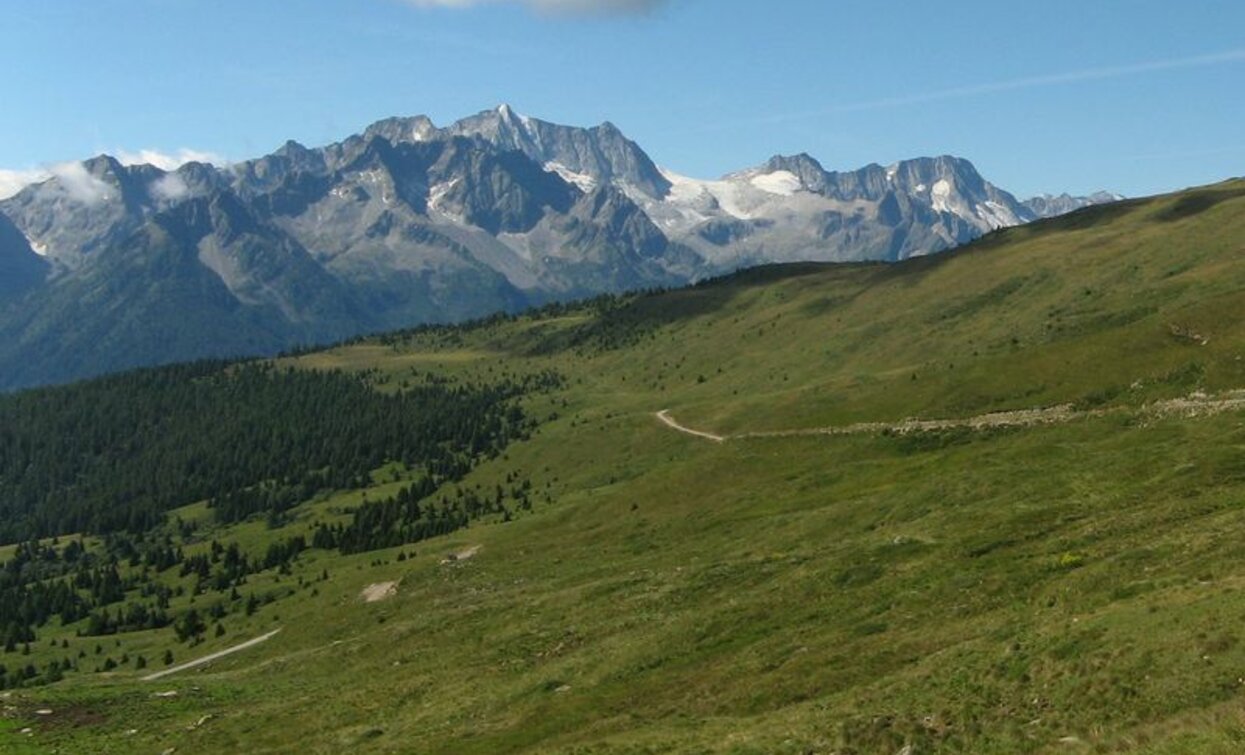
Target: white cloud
(555, 6)
(76, 181)
(170, 187)
(13, 181)
(166, 161)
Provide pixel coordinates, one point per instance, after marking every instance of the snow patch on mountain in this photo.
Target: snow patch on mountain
(585, 182)
(784, 183)
(697, 199)
(996, 215)
(437, 204)
(36, 247)
(940, 195)
(423, 131)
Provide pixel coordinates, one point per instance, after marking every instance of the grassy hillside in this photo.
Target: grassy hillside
(1075, 585)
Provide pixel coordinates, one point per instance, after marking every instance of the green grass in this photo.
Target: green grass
(1078, 587)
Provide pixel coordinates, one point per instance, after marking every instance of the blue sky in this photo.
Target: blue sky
(1137, 96)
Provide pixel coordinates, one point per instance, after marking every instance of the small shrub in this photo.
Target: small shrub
(1070, 560)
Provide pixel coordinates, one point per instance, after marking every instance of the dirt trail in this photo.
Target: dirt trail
(1194, 405)
(664, 416)
(212, 657)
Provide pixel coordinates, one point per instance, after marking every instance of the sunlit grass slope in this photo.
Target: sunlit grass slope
(1073, 587)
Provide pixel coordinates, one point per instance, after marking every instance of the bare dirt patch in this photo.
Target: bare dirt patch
(72, 716)
(462, 555)
(379, 591)
(76, 716)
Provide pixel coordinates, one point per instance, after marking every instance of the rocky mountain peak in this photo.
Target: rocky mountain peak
(104, 167)
(597, 155)
(418, 128)
(804, 166)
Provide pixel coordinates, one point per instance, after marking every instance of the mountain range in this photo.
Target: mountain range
(106, 266)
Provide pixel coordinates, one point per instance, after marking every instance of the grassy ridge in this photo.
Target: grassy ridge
(1022, 590)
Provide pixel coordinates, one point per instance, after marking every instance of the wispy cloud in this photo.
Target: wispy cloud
(557, 7)
(1070, 77)
(1028, 82)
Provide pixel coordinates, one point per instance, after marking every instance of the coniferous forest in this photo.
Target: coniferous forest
(111, 457)
(115, 454)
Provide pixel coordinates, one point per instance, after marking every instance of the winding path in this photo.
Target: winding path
(212, 657)
(1196, 405)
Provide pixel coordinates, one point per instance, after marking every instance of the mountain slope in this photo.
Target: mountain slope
(20, 267)
(986, 588)
(201, 280)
